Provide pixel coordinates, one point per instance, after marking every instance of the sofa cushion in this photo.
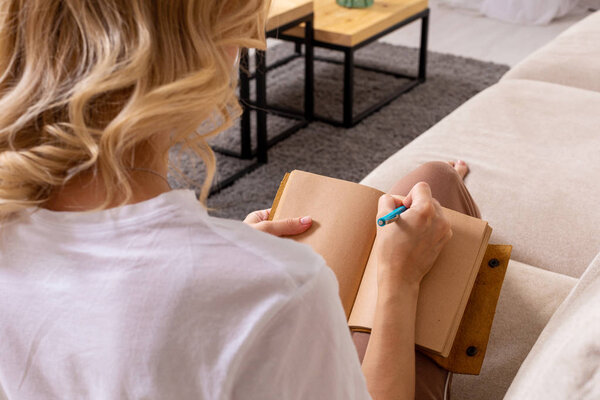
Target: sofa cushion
(528, 299)
(533, 148)
(564, 363)
(573, 58)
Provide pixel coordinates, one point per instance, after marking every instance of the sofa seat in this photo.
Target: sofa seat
(572, 59)
(533, 148)
(529, 297)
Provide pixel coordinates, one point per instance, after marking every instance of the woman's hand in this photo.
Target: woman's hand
(285, 227)
(407, 248)
(405, 251)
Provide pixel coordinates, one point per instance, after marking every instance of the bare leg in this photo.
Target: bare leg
(446, 182)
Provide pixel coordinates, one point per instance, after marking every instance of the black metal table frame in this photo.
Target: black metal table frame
(260, 106)
(349, 119)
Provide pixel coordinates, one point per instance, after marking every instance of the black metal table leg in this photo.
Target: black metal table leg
(348, 87)
(348, 118)
(246, 143)
(261, 106)
(423, 48)
(309, 75)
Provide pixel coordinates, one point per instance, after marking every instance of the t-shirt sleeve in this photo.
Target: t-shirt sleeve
(304, 352)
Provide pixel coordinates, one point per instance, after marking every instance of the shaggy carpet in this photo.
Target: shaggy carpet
(348, 154)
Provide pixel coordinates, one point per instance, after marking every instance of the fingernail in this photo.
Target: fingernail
(305, 220)
(460, 161)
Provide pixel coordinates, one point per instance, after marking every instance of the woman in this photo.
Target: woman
(114, 286)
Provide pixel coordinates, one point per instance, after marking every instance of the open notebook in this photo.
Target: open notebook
(343, 232)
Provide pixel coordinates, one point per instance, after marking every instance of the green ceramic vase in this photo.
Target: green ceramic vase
(355, 3)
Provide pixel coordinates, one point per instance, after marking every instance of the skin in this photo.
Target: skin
(405, 252)
(86, 191)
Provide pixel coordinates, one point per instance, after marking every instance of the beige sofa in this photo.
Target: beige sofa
(533, 144)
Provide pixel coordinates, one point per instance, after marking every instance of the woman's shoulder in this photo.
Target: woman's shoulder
(217, 249)
(295, 261)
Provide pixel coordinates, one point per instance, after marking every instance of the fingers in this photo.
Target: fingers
(420, 193)
(442, 242)
(387, 203)
(427, 211)
(444, 228)
(257, 216)
(421, 205)
(447, 236)
(285, 227)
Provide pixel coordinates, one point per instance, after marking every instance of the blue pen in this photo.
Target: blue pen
(391, 217)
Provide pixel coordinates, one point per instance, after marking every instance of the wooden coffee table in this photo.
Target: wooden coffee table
(349, 29)
(284, 12)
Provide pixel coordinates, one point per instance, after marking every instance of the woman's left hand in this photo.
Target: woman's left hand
(285, 227)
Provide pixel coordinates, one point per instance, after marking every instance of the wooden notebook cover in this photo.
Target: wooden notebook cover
(470, 345)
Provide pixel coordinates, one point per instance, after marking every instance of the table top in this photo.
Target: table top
(285, 11)
(348, 27)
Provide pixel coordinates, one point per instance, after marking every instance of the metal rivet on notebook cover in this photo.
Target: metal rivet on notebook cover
(472, 351)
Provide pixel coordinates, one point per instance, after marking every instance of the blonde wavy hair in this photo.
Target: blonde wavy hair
(84, 82)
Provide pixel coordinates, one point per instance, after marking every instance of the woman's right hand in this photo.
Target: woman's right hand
(407, 248)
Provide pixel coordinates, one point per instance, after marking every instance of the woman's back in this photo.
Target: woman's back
(152, 298)
(159, 300)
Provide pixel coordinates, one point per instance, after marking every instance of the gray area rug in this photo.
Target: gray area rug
(348, 154)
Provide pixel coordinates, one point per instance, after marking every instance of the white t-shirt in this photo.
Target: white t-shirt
(158, 300)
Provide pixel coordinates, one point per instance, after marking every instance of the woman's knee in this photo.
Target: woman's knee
(439, 174)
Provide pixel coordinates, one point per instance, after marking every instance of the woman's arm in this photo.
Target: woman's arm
(304, 352)
(405, 252)
(389, 363)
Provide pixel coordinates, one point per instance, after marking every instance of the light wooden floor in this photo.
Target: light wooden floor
(464, 33)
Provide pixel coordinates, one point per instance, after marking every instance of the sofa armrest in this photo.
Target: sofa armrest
(572, 59)
(563, 364)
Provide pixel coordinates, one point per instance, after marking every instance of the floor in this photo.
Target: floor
(464, 33)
